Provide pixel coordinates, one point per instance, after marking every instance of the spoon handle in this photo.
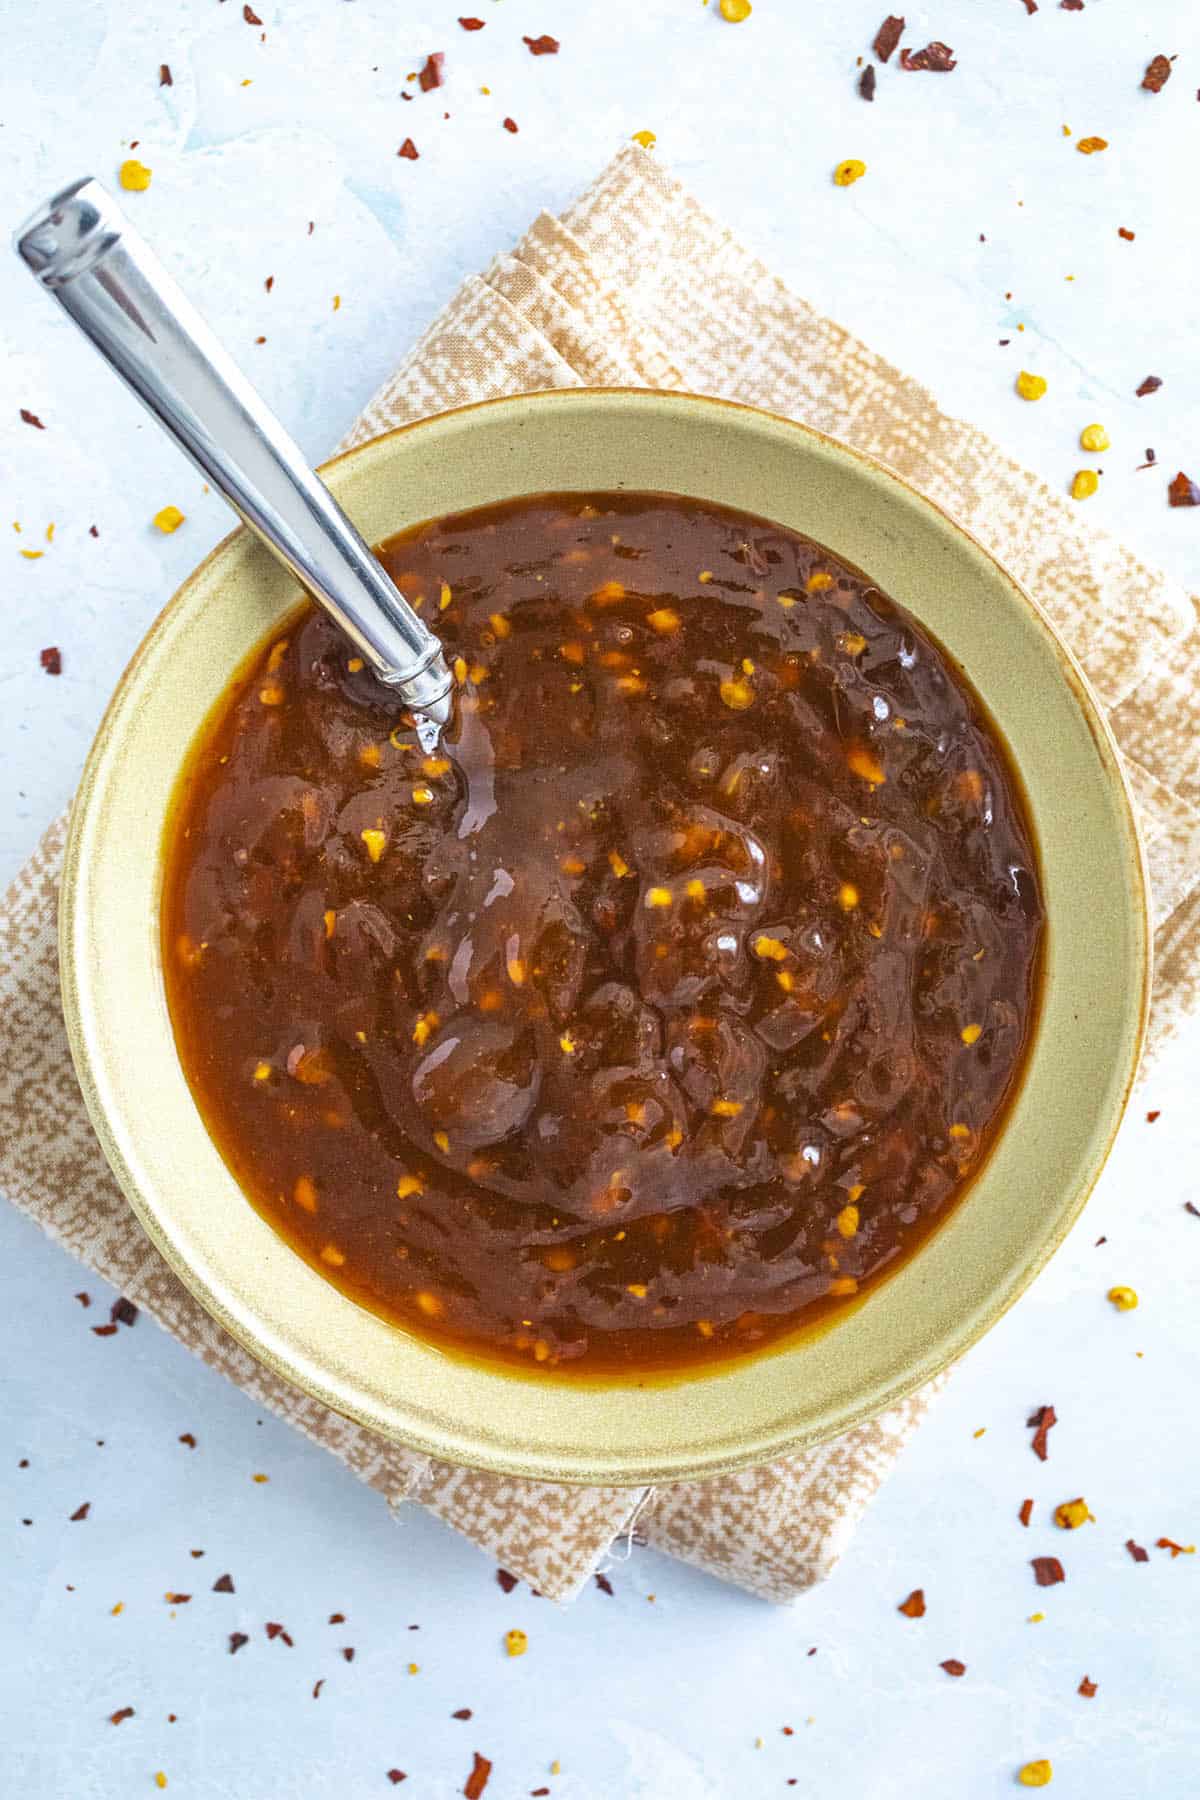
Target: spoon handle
(83, 250)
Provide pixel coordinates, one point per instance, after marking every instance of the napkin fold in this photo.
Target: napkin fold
(609, 294)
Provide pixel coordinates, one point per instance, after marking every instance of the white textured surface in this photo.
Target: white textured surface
(661, 1701)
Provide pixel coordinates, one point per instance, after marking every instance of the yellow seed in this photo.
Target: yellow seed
(477, 673)
(422, 796)
(608, 593)
(118, 1608)
(658, 896)
(726, 1109)
(305, 1194)
(331, 1254)
(573, 865)
(971, 1034)
(1072, 1514)
(737, 694)
(786, 980)
(445, 596)
(848, 172)
(135, 178)
(425, 1027)
(868, 767)
(407, 1186)
(1088, 146)
(960, 1131)
(1123, 1298)
(663, 619)
(847, 896)
(637, 1289)
(631, 684)
(818, 581)
(330, 919)
(1085, 484)
(499, 624)
(32, 555)
(769, 948)
(435, 766)
(460, 669)
(160, 1779)
(369, 756)
(1094, 437)
(260, 1478)
(337, 302)
(705, 576)
(429, 1304)
(566, 1044)
(169, 518)
(355, 665)
(414, 1668)
(1036, 1618)
(271, 695)
(442, 1142)
(516, 971)
(847, 1221)
(853, 643)
(516, 1642)
(747, 666)
(1036, 1774)
(619, 866)
(646, 139)
(262, 1071)
(1030, 387)
(845, 1284)
(376, 842)
(50, 532)
(695, 890)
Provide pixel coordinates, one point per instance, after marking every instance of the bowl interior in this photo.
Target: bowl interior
(1015, 1213)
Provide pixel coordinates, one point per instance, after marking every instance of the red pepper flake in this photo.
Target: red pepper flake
(104, 1330)
(507, 1582)
(887, 37)
(51, 660)
(223, 1585)
(250, 16)
(937, 58)
(396, 1776)
(123, 1312)
(122, 1712)
(914, 1606)
(464, 1712)
(471, 24)
(1087, 1687)
(1183, 491)
(866, 82)
(348, 1652)
(1151, 1116)
(1071, 5)
(277, 1631)
(1030, 7)
(24, 1463)
(431, 75)
(84, 1299)
(92, 532)
(952, 1666)
(603, 1583)
(1174, 1548)
(1151, 385)
(177, 1599)
(32, 419)
(236, 1640)
(1026, 1512)
(81, 1512)
(337, 1618)
(317, 1686)
(510, 125)
(409, 151)
(1194, 1210)
(185, 1437)
(1158, 73)
(1127, 235)
(1136, 1551)
(164, 75)
(269, 283)
(537, 1793)
(1048, 1570)
(477, 1780)
(542, 46)
(1042, 1420)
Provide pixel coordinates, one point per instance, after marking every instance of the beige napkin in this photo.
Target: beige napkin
(636, 285)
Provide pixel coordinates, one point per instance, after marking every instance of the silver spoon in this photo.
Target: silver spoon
(83, 250)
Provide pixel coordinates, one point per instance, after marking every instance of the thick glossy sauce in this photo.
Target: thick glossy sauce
(670, 1002)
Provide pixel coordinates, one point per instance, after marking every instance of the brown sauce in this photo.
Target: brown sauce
(663, 1009)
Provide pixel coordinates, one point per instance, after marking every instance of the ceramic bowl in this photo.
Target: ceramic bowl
(1015, 1213)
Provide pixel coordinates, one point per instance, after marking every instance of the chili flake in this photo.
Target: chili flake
(81, 1512)
(1127, 235)
(1136, 1551)
(887, 37)
(471, 24)
(1183, 491)
(122, 1712)
(1087, 1688)
(1041, 1420)
(1036, 1774)
(952, 1666)
(236, 1640)
(51, 659)
(164, 75)
(1030, 387)
(31, 418)
(914, 1606)
(1026, 1512)
(542, 46)
(848, 172)
(603, 1583)
(1150, 385)
(223, 1585)
(866, 82)
(1088, 146)
(134, 176)
(275, 1630)
(396, 1776)
(937, 58)
(431, 75)
(510, 125)
(1158, 73)
(477, 1780)
(185, 1437)
(1047, 1570)
(1166, 1543)
(507, 1582)
(409, 151)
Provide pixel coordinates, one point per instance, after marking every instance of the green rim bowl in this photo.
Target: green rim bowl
(1017, 1210)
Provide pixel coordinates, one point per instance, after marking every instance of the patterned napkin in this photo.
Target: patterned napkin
(608, 295)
